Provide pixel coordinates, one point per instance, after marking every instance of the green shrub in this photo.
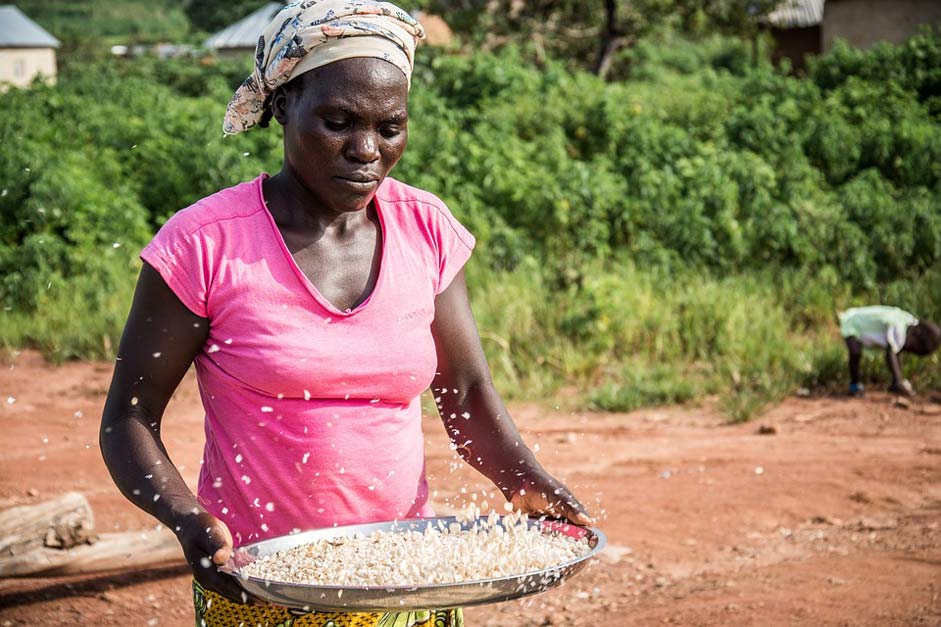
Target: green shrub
(644, 387)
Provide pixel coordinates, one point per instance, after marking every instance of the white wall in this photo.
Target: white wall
(18, 66)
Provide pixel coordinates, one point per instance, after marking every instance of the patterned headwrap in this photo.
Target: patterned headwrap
(312, 33)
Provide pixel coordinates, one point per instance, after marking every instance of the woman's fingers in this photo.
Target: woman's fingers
(223, 553)
(576, 512)
(207, 544)
(211, 539)
(564, 505)
(556, 501)
(219, 550)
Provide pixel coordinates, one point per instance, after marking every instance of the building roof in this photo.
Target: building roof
(797, 14)
(18, 31)
(245, 32)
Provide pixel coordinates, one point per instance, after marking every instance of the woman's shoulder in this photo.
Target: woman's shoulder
(238, 201)
(422, 207)
(395, 191)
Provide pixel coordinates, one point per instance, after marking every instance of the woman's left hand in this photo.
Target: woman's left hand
(490, 441)
(541, 494)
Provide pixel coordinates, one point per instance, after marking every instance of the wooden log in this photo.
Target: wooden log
(111, 551)
(57, 538)
(63, 522)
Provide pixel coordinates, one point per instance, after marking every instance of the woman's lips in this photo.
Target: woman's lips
(359, 185)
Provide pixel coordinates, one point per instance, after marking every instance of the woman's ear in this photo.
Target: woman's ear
(279, 106)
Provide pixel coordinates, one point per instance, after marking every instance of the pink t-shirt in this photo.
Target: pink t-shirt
(312, 414)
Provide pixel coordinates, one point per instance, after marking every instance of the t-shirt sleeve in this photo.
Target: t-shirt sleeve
(455, 244)
(895, 336)
(179, 253)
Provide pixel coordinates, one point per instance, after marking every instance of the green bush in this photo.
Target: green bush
(640, 388)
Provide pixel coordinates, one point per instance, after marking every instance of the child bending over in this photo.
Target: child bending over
(892, 330)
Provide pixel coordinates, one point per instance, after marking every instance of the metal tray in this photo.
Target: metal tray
(404, 598)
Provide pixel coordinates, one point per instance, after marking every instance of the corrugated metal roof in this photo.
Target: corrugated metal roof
(797, 14)
(245, 32)
(18, 31)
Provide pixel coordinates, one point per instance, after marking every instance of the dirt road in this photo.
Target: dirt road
(835, 519)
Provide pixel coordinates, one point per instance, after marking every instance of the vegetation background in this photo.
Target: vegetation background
(688, 227)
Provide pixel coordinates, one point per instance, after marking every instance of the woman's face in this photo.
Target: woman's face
(345, 126)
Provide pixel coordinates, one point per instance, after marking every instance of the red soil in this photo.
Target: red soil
(835, 519)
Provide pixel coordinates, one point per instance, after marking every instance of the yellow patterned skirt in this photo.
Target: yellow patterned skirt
(214, 610)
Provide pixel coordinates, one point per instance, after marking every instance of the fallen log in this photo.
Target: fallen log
(111, 551)
(63, 522)
(58, 537)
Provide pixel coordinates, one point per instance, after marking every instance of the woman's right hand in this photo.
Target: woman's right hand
(207, 544)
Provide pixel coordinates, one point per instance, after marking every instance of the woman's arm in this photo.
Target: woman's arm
(160, 341)
(477, 421)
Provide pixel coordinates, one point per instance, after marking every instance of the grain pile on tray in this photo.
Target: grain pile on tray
(492, 548)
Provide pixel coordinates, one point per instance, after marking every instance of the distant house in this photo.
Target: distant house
(240, 38)
(864, 23)
(796, 26)
(26, 49)
(804, 27)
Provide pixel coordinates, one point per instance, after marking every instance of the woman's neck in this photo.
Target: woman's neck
(294, 207)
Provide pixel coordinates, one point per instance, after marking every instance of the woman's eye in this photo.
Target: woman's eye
(335, 125)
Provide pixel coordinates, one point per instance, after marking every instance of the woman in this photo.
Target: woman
(317, 304)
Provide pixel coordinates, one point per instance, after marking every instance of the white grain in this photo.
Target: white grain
(498, 546)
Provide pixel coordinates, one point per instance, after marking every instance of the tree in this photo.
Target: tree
(590, 34)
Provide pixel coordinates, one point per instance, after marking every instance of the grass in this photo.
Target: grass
(643, 387)
(627, 338)
(76, 319)
(622, 337)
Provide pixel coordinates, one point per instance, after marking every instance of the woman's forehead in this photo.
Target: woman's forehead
(356, 74)
(384, 104)
(356, 87)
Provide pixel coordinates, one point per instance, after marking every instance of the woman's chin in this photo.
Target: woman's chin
(349, 203)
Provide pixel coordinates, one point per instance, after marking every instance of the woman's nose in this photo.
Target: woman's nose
(363, 147)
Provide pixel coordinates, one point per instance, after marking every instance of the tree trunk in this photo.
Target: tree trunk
(612, 40)
(607, 56)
